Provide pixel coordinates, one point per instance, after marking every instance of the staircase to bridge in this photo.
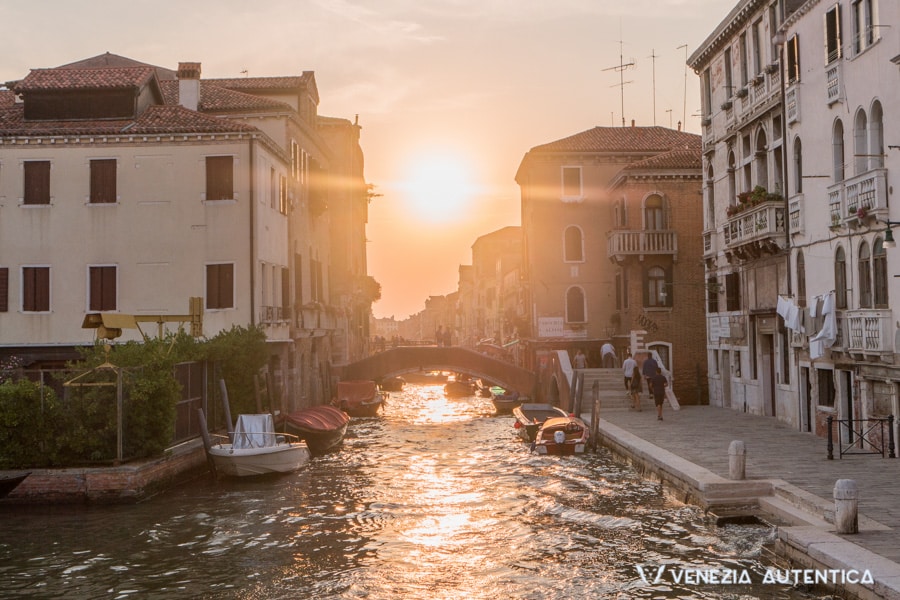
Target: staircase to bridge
(611, 389)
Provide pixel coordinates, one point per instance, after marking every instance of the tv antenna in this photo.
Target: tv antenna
(684, 109)
(653, 58)
(620, 68)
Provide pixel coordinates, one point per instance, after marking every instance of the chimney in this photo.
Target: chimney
(189, 85)
(679, 125)
(632, 122)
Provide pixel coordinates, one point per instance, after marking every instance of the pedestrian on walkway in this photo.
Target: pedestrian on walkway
(649, 368)
(627, 369)
(657, 385)
(635, 388)
(608, 355)
(580, 360)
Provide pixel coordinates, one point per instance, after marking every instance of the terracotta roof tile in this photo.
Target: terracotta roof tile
(155, 120)
(91, 79)
(682, 158)
(264, 83)
(7, 98)
(216, 99)
(621, 139)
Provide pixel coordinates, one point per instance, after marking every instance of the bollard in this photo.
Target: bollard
(737, 460)
(846, 505)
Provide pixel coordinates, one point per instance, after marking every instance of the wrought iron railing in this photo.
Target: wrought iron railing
(861, 437)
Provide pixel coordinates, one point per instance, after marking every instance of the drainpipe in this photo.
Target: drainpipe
(780, 41)
(251, 207)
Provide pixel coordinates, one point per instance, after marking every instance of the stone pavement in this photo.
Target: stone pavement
(701, 435)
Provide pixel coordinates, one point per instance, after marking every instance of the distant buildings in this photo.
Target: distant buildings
(127, 189)
(797, 105)
(611, 223)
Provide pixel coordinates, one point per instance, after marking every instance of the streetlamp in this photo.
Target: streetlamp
(889, 235)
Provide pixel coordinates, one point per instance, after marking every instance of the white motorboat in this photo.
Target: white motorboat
(257, 450)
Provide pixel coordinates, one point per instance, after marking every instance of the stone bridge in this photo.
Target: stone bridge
(410, 359)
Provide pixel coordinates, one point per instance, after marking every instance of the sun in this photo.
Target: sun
(439, 189)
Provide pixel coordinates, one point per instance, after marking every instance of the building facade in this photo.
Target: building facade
(606, 218)
(129, 189)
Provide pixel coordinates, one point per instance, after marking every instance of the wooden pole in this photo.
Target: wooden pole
(225, 404)
(207, 442)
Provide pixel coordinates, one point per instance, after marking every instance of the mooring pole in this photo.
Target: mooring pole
(595, 414)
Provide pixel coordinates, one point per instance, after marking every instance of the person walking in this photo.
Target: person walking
(608, 355)
(627, 369)
(658, 384)
(648, 369)
(635, 388)
(580, 360)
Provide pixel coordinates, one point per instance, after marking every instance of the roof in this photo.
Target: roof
(621, 139)
(306, 81)
(108, 59)
(216, 99)
(682, 158)
(155, 120)
(104, 78)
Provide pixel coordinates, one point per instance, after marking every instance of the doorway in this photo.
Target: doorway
(725, 374)
(805, 401)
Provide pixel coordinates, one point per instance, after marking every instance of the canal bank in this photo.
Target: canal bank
(788, 479)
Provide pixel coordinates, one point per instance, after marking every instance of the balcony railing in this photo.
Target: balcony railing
(763, 222)
(869, 331)
(639, 243)
(709, 243)
(792, 104)
(856, 198)
(795, 206)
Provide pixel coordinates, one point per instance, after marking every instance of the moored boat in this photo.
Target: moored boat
(359, 398)
(392, 384)
(9, 482)
(321, 427)
(504, 402)
(561, 436)
(530, 417)
(256, 449)
(459, 387)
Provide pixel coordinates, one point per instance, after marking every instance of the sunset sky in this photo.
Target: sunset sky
(450, 94)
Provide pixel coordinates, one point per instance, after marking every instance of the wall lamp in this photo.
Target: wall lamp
(889, 235)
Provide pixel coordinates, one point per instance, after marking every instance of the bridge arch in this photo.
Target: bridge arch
(409, 359)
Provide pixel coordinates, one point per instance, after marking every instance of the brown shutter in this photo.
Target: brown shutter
(103, 181)
(4, 289)
(219, 177)
(37, 182)
(212, 286)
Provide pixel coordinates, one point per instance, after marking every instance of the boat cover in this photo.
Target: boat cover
(318, 418)
(356, 392)
(254, 431)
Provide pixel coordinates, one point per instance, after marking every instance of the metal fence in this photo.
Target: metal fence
(861, 437)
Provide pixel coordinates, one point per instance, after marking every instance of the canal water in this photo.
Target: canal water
(435, 499)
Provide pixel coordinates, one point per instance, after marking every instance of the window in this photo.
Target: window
(103, 181)
(801, 279)
(837, 151)
(762, 162)
(664, 351)
(743, 49)
(37, 182)
(865, 276)
(571, 183)
(733, 291)
(220, 286)
(876, 137)
(729, 84)
(710, 198)
(798, 166)
(273, 188)
(35, 289)
(826, 387)
(101, 288)
(879, 270)
(219, 177)
(657, 292)
(654, 213)
(575, 309)
(732, 179)
(574, 248)
(863, 25)
(840, 279)
(712, 295)
(282, 195)
(833, 34)
(756, 32)
(860, 143)
(792, 54)
(4, 289)
(706, 82)
(620, 216)
(285, 290)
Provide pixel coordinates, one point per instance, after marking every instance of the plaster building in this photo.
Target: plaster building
(497, 306)
(607, 219)
(127, 189)
(806, 330)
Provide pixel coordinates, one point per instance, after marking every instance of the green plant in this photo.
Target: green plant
(240, 353)
(30, 424)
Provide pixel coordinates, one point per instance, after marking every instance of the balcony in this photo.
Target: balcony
(795, 208)
(624, 243)
(833, 82)
(854, 200)
(756, 231)
(869, 332)
(709, 244)
(792, 104)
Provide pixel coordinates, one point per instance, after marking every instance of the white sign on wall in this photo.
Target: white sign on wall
(550, 326)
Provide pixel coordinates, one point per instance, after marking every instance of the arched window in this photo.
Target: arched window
(801, 279)
(657, 292)
(860, 143)
(654, 213)
(798, 166)
(879, 271)
(575, 309)
(732, 185)
(574, 245)
(876, 137)
(761, 157)
(837, 151)
(865, 276)
(710, 199)
(840, 278)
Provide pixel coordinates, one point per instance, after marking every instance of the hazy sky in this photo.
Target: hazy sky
(450, 94)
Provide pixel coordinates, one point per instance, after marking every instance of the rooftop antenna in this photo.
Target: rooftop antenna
(620, 68)
(669, 110)
(653, 58)
(684, 110)
(245, 73)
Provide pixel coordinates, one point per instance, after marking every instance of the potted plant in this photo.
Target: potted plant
(741, 93)
(772, 68)
(862, 212)
(727, 105)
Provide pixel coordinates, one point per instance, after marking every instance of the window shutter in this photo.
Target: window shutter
(670, 289)
(37, 182)
(645, 285)
(4, 289)
(212, 286)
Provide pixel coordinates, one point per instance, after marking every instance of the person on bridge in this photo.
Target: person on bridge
(627, 369)
(658, 384)
(580, 360)
(635, 388)
(608, 354)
